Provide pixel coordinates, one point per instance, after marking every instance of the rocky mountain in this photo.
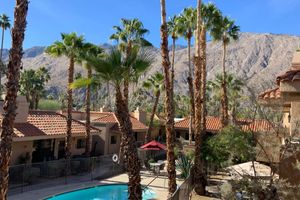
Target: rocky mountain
(256, 58)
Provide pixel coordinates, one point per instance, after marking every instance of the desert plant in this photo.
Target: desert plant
(184, 164)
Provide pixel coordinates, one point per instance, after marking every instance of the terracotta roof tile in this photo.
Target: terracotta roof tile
(213, 124)
(47, 123)
(270, 94)
(291, 75)
(110, 117)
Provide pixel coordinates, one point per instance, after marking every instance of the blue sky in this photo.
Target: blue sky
(95, 18)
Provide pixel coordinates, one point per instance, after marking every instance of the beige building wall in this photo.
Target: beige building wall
(295, 118)
(20, 149)
(114, 148)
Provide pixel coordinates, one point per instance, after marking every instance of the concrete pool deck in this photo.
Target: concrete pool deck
(159, 186)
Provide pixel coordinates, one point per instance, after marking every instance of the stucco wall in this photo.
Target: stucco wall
(20, 149)
(295, 118)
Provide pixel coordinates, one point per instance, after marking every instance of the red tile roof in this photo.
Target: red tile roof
(48, 123)
(213, 124)
(110, 117)
(291, 75)
(270, 94)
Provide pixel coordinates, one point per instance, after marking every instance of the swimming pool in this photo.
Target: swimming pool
(102, 192)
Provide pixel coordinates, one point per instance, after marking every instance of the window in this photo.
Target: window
(113, 139)
(80, 144)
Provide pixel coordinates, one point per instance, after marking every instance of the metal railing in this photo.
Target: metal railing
(27, 177)
(184, 190)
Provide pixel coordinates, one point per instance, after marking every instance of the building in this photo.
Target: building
(108, 123)
(213, 126)
(285, 98)
(40, 135)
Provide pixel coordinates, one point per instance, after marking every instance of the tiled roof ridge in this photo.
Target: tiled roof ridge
(61, 115)
(274, 91)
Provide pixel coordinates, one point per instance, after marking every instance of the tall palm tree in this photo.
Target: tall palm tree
(226, 31)
(207, 16)
(12, 86)
(71, 46)
(155, 83)
(169, 103)
(4, 24)
(187, 26)
(111, 68)
(173, 30)
(89, 50)
(129, 36)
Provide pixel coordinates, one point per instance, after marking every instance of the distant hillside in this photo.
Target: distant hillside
(256, 58)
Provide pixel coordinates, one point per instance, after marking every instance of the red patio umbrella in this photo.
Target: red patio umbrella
(153, 145)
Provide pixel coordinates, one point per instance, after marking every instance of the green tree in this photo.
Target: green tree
(230, 146)
(130, 36)
(12, 87)
(154, 83)
(226, 31)
(112, 68)
(4, 24)
(234, 93)
(169, 101)
(89, 50)
(32, 85)
(71, 46)
(186, 27)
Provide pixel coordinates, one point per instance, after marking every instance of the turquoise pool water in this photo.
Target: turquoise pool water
(103, 192)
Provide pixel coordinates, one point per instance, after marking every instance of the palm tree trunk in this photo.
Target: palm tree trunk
(148, 134)
(130, 150)
(108, 95)
(88, 139)
(68, 138)
(1, 61)
(191, 93)
(199, 177)
(12, 87)
(224, 98)
(173, 61)
(169, 103)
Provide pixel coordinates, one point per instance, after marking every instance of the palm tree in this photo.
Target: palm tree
(173, 29)
(130, 36)
(155, 82)
(111, 68)
(12, 87)
(71, 46)
(4, 24)
(207, 16)
(89, 50)
(226, 31)
(187, 26)
(233, 88)
(169, 103)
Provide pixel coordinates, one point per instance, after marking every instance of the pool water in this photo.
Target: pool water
(103, 192)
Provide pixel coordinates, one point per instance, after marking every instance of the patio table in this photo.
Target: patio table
(156, 167)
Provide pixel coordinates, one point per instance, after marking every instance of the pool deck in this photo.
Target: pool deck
(159, 186)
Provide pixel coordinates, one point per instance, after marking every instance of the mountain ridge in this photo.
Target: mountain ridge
(257, 58)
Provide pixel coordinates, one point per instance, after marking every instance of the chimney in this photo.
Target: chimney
(22, 109)
(104, 109)
(296, 61)
(140, 115)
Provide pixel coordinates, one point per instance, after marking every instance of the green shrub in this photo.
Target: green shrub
(47, 104)
(230, 146)
(184, 164)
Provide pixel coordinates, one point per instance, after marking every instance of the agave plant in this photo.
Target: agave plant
(184, 165)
